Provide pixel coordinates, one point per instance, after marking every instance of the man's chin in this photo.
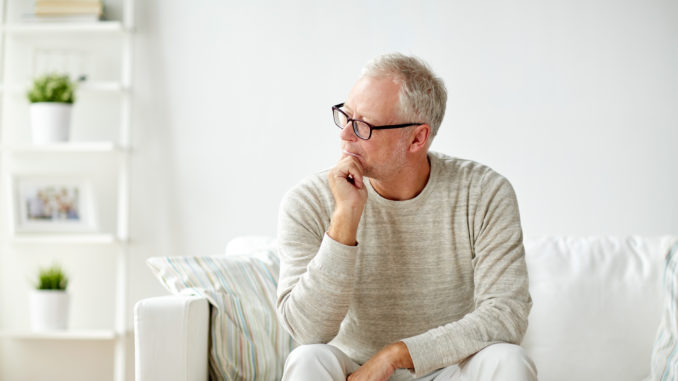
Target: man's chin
(367, 172)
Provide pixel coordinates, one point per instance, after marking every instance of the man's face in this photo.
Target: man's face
(375, 100)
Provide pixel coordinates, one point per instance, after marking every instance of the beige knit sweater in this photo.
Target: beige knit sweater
(443, 272)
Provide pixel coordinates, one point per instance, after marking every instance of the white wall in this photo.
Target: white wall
(573, 101)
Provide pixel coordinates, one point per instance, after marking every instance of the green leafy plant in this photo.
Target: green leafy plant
(52, 278)
(52, 88)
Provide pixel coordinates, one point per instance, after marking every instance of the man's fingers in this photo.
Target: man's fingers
(353, 171)
(355, 180)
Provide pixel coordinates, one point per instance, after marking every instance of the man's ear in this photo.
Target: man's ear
(419, 139)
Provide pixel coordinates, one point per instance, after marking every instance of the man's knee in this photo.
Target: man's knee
(316, 361)
(507, 353)
(505, 362)
(311, 353)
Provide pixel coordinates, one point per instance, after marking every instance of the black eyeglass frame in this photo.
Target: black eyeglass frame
(355, 125)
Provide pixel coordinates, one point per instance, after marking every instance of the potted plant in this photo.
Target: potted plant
(49, 301)
(51, 99)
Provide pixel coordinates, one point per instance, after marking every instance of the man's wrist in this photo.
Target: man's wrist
(344, 226)
(400, 356)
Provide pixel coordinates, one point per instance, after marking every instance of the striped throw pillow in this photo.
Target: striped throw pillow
(664, 366)
(247, 342)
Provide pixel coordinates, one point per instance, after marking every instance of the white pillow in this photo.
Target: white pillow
(664, 365)
(246, 340)
(597, 302)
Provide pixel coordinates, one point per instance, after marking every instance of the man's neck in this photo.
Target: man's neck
(407, 183)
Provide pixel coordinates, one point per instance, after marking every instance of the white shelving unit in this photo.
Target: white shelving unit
(14, 150)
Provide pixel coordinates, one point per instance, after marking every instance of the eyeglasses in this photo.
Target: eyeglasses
(362, 129)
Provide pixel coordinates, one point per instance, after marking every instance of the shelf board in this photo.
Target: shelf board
(61, 335)
(63, 27)
(70, 147)
(64, 238)
(15, 89)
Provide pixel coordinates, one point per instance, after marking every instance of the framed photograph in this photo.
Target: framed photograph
(49, 204)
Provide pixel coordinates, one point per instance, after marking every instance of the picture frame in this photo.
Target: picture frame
(52, 204)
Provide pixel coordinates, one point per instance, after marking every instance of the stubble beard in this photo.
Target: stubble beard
(392, 166)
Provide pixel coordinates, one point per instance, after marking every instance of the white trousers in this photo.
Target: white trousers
(495, 362)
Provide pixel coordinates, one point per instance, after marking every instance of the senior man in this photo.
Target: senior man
(402, 263)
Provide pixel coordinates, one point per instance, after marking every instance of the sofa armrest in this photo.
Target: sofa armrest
(171, 338)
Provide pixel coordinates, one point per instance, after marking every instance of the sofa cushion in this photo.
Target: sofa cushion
(597, 303)
(246, 340)
(664, 364)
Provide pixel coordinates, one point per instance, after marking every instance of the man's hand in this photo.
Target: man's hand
(382, 365)
(350, 195)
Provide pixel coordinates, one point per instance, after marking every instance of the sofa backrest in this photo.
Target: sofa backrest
(596, 305)
(245, 244)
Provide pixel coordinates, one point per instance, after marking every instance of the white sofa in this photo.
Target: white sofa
(597, 304)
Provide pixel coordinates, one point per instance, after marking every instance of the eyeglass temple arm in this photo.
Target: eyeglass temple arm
(395, 126)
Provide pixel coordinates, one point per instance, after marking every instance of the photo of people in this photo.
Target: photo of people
(49, 204)
(52, 202)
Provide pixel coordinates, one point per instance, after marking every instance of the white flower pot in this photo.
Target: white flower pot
(50, 122)
(49, 310)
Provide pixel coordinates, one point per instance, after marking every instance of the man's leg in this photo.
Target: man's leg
(505, 362)
(320, 362)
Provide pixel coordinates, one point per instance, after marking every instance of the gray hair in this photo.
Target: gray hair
(422, 97)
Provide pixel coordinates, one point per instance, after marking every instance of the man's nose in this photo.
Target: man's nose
(347, 132)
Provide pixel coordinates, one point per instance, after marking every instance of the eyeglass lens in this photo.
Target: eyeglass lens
(360, 128)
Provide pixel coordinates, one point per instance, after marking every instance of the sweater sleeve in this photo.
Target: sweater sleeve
(316, 272)
(501, 297)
